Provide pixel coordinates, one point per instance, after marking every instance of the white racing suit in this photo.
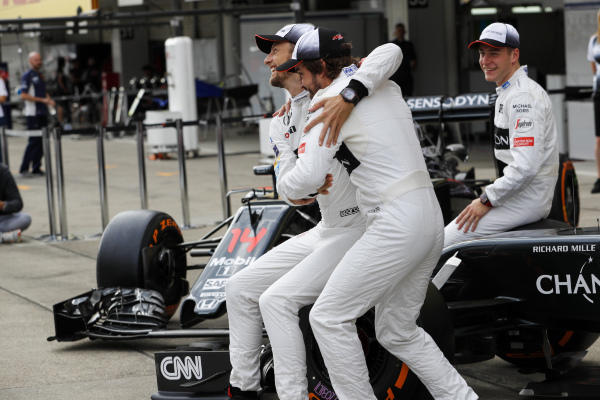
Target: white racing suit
(525, 139)
(293, 274)
(389, 267)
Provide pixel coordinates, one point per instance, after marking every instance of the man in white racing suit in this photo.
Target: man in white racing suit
(390, 265)
(525, 139)
(293, 274)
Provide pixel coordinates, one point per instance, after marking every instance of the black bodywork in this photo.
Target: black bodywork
(503, 282)
(542, 277)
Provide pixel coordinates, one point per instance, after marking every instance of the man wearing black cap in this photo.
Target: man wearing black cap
(525, 139)
(293, 274)
(390, 265)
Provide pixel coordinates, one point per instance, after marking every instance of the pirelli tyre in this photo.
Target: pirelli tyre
(136, 251)
(390, 377)
(523, 346)
(565, 205)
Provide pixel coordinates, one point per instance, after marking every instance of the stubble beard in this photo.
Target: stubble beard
(279, 79)
(314, 88)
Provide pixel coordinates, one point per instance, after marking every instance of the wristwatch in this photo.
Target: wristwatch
(350, 96)
(484, 199)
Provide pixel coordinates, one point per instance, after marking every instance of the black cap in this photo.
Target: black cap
(289, 33)
(498, 35)
(314, 45)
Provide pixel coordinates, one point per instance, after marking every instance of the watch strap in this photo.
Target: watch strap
(484, 199)
(360, 89)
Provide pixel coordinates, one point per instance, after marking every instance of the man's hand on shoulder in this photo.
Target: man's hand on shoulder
(470, 216)
(284, 109)
(335, 113)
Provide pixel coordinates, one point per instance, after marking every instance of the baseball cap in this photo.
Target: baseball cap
(499, 35)
(314, 45)
(289, 33)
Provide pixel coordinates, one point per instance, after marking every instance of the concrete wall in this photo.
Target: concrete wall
(432, 30)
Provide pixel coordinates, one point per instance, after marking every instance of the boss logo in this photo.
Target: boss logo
(173, 368)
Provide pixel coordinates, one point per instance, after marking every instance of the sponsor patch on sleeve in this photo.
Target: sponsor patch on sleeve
(524, 124)
(350, 70)
(301, 148)
(276, 167)
(522, 141)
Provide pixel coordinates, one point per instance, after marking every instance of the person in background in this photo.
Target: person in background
(403, 76)
(33, 92)
(3, 97)
(92, 75)
(62, 89)
(12, 219)
(593, 57)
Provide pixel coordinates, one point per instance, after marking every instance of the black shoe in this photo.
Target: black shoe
(38, 173)
(596, 187)
(237, 394)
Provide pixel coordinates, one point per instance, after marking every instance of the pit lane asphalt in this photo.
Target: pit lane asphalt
(38, 272)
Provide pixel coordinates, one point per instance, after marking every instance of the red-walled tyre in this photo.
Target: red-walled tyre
(129, 237)
(565, 205)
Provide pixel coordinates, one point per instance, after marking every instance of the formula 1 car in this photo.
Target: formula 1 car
(526, 296)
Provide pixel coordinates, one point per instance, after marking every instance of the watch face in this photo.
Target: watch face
(349, 94)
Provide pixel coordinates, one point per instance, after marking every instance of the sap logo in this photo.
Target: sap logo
(172, 368)
(214, 284)
(557, 284)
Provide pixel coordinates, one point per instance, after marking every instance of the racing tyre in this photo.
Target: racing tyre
(565, 205)
(523, 346)
(389, 376)
(136, 251)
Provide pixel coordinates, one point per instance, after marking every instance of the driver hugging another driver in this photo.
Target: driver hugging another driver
(380, 236)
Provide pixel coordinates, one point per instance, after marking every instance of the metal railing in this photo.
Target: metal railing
(54, 137)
